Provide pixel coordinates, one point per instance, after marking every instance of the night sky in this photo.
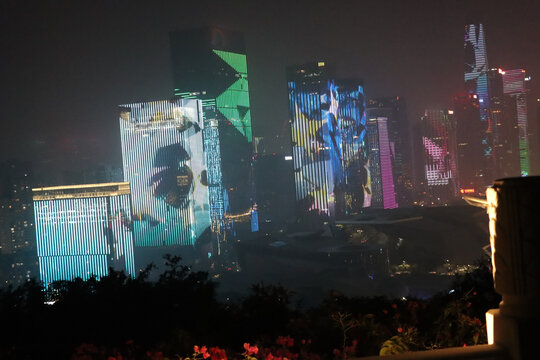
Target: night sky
(66, 65)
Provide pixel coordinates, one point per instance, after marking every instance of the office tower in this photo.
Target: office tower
(394, 110)
(328, 138)
(174, 174)
(82, 230)
(476, 83)
(210, 64)
(18, 260)
(380, 164)
(275, 190)
(514, 86)
(439, 156)
(470, 157)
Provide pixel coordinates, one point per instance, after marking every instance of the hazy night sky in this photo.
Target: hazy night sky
(66, 65)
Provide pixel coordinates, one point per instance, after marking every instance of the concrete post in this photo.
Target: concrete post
(513, 206)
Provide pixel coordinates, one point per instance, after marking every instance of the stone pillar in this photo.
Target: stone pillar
(513, 205)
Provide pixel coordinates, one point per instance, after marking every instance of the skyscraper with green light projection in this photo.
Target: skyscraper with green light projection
(210, 64)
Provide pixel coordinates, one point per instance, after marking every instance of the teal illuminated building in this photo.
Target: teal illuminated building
(83, 230)
(173, 170)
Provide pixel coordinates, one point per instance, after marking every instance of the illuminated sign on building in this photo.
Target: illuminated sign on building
(164, 159)
(82, 230)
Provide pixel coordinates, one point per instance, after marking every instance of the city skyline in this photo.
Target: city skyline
(82, 72)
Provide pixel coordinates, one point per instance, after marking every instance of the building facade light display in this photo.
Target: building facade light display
(164, 160)
(514, 86)
(82, 230)
(438, 139)
(476, 83)
(380, 164)
(328, 137)
(210, 64)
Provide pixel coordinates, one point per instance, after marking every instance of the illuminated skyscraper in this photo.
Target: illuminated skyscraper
(167, 159)
(514, 86)
(476, 83)
(438, 140)
(328, 138)
(82, 230)
(394, 110)
(380, 163)
(211, 64)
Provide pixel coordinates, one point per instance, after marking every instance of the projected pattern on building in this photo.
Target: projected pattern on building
(476, 78)
(440, 163)
(328, 148)
(233, 103)
(82, 230)
(514, 85)
(165, 162)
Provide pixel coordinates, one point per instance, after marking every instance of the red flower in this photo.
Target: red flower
(399, 330)
(204, 350)
(385, 311)
(394, 306)
(196, 349)
(250, 350)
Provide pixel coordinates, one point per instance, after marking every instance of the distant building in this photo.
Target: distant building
(514, 86)
(394, 110)
(211, 64)
(83, 230)
(275, 190)
(476, 83)
(438, 140)
(328, 137)
(470, 159)
(17, 236)
(380, 164)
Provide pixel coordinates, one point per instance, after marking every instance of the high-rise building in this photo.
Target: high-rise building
(438, 141)
(173, 164)
(18, 260)
(399, 137)
(476, 83)
(514, 86)
(210, 64)
(470, 157)
(328, 138)
(82, 230)
(380, 164)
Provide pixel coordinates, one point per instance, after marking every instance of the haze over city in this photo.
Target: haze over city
(67, 65)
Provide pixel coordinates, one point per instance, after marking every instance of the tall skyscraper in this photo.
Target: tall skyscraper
(470, 157)
(380, 164)
(514, 86)
(210, 64)
(438, 140)
(476, 83)
(174, 174)
(328, 138)
(399, 137)
(82, 230)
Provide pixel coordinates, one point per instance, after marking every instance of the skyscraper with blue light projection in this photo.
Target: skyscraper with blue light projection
(328, 138)
(83, 230)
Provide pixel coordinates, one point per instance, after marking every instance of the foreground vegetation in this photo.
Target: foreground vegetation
(122, 318)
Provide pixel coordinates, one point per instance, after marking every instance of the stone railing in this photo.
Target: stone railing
(513, 206)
